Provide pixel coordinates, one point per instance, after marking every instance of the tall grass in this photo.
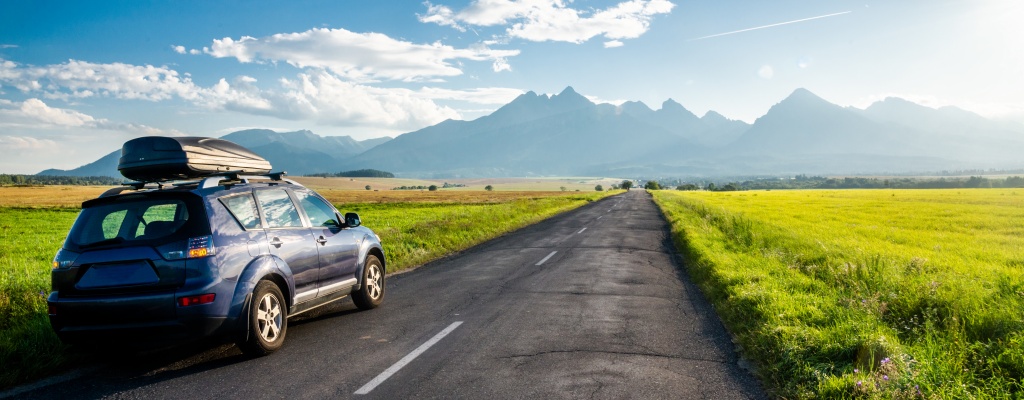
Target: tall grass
(412, 233)
(861, 293)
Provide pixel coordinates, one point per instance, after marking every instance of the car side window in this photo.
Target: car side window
(243, 208)
(279, 209)
(319, 212)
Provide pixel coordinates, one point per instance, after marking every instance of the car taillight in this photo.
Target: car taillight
(197, 247)
(64, 259)
(196, 300)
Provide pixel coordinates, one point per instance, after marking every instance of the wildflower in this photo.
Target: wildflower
(856, 371)
(859, 383)
(885, 377)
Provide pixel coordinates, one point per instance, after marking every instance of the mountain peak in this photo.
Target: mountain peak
(712, 115)
(568, 91)
(671, 104)
(569, 99)
(803, 95)
(635, 108)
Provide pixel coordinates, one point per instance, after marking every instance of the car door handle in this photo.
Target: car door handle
(276, 242)
(322, 240)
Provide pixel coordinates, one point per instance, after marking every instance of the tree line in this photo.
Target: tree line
(19, 180)
(820, 182)
(359, 173)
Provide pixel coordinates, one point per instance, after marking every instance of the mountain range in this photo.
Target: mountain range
(299, 152)
(568, 135)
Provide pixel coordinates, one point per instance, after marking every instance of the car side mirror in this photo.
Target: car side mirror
(352, 220)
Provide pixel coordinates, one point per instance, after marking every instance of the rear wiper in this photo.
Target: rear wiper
(115, 240)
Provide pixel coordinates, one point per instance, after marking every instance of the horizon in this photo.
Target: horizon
(79, 79)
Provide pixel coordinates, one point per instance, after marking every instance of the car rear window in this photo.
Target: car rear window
(137, 218)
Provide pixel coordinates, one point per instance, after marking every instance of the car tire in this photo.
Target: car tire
(371, 292)
(268, 320)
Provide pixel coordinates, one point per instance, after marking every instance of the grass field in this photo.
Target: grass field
(865, 293)
(415, 227)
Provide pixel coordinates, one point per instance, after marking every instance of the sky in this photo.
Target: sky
(79, 78)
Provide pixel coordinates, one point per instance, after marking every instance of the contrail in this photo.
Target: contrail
(769, 26)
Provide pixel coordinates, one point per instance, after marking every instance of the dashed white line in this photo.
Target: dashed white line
(541, 262)
(600, 217)
(581, 231)
(369, 386)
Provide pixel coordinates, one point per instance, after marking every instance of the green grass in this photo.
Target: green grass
(29, 238)
(865, 293)
(412, 233)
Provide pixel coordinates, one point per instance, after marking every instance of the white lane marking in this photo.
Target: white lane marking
(407, 359)
(581, 231)
(600, 217)
(541, 262)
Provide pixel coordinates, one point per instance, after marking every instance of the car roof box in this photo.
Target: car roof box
(157, 158)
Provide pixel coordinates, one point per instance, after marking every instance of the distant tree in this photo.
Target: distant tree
(688, 186)
(730, 187)
(652, 185)
(367, 187)
(488, 188)
(711, 187)
(599, 188)
(432, 188)
(978, 182)
(563, 188)
(626, 184)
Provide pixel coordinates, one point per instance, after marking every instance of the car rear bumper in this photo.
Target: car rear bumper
(136, 320)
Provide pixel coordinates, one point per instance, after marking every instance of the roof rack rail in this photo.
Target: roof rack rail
(236, 177)
(203, 182)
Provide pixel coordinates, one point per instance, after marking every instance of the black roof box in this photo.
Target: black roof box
(157, 158)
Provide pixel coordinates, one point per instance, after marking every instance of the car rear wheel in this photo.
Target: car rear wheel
(371, 292)
(268, 320)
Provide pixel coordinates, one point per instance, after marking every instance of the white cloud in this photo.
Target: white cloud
(598, 100)
(337, 102)
(553, 20)
(501, 64)
(613, 43)
(82, 79)
(493, 95)
(356, 56)
(179, 49)
(766, 72)
(8, 46)
(26, 143)
(316, 95)
(35, 114)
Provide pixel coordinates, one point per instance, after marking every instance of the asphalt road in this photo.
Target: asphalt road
(588, 304)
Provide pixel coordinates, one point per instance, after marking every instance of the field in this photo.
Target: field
(499, 184)
(415, 227)
(864, 293)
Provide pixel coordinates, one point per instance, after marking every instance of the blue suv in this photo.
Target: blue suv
(230, 255)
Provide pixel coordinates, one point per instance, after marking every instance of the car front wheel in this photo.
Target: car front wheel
(371, 292)
(268, 320)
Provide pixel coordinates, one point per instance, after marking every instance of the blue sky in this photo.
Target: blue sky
(79, 78)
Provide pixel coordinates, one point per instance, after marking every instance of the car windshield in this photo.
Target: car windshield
(134, 219)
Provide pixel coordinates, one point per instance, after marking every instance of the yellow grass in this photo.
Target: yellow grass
(48, 196)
